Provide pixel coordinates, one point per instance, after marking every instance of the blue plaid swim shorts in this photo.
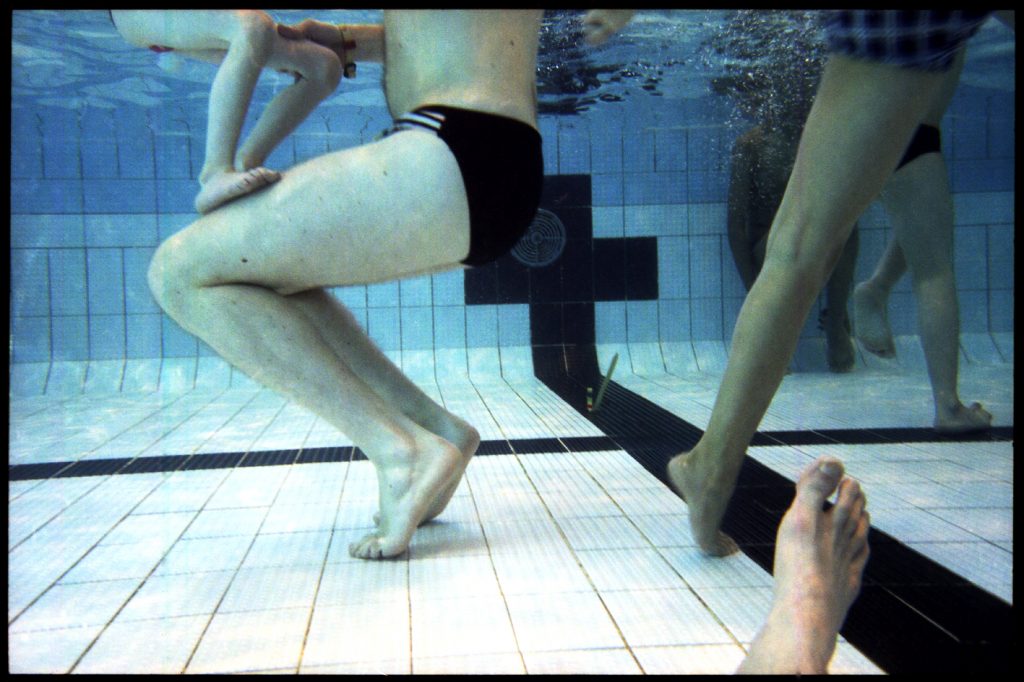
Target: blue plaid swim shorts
(918, 39)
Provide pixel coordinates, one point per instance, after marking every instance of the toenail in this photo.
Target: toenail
(829, 468)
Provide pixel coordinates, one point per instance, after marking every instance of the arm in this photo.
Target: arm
(353, 43)
(600, 24)
(743, 159)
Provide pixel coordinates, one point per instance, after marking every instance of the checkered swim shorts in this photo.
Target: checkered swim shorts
(918, 39)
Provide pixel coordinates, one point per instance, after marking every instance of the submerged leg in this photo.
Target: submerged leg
(862, 119)
(394, 208)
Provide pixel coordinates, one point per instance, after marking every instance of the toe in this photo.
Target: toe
(818, 481)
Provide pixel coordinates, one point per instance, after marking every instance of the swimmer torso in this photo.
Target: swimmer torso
(476, 59)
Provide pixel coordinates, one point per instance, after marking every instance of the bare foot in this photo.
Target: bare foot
(819, 559)
(707, 503)
(229, 185)
(409, 483)
(962, 419)
(871, 321)
(466, 439)
(463, 436)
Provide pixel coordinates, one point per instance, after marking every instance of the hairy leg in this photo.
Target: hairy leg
(390, 209)
(341, 331)
(862, 119)
(819, 560)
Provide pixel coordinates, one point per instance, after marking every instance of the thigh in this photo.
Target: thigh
(919, 202)
(389, 209)
(179, 29)
(301, 56)
(860, 124)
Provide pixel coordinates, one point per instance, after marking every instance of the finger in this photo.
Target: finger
(289, 32)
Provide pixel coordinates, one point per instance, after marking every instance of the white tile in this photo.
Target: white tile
(392, 667)
(441, 577)
(204, 554)
(918, 525)
(361, 582)
(543, 571)
(568, 620)
(271, 587)
(628, 569)
(48, 652)
(135, 528)
(182, 491)
(375, 633)
(216, 523)
(446, 539)
(700, 570)
(168, 596)
(76, 605)
(742, 610)
(984, 564)
(990, 524)
(652, 500)
(249, 487)
(116, 562)
(298, 518)
(477, 664)
(602, 532)
(581, 662)
(664, 617)
(452, 627)
(665, 530)
(288, 549)
(150, 647)
(253, 640)
(700, 659)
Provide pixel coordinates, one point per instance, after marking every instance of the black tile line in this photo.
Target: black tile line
(228, 460)
(863, 436)
(903, 620)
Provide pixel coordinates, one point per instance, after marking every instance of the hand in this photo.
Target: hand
(310, 29)
(600, 24)
(327, 35)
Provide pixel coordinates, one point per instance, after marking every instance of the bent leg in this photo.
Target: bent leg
(353, 347)
(245, 37)
(319, 72)
(861, 121)
(390, 209)
(819, 560)
(920, 204)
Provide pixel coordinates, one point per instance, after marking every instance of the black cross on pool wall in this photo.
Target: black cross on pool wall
(561, 295)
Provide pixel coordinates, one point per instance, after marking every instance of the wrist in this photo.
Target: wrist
(344, 45)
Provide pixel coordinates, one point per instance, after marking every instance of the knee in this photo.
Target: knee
(167, 277)
(255, 32)
(324, 74)
(809, 266)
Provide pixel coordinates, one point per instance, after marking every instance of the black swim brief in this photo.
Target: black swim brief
(925, 141)
(917, 39)
(502, 169)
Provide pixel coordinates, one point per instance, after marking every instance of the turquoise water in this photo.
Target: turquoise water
(107, 141)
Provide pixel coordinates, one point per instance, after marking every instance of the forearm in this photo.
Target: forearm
(363, 42)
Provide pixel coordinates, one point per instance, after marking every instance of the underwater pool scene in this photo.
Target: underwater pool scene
(168, 514)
